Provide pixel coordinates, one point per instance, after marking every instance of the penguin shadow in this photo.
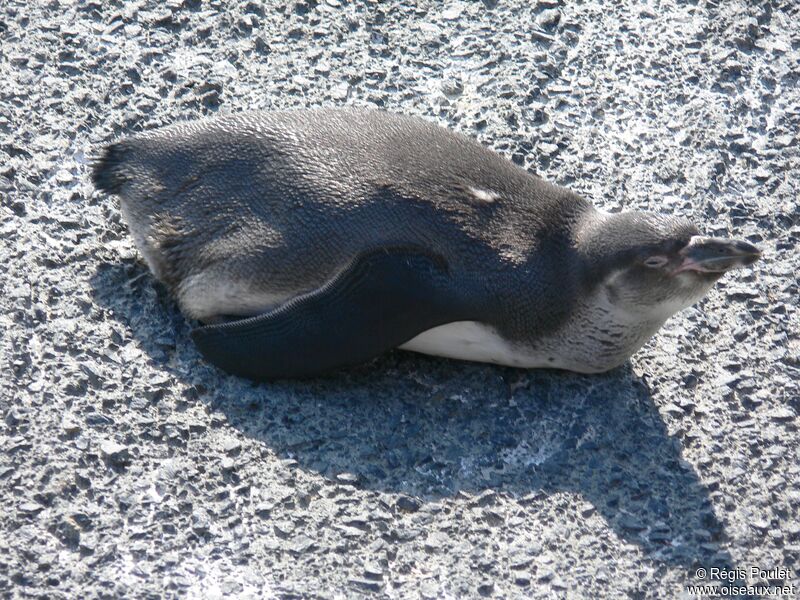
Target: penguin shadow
(437, 429)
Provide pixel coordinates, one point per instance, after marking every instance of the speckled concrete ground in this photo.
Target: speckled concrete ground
(131, 469)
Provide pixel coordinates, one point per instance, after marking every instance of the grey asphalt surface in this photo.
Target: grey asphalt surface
(129, 468)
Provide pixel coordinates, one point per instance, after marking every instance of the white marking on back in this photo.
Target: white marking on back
(137, 228)
(484, 195)
(205, 295)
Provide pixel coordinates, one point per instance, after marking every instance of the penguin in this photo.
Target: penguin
(308, 240)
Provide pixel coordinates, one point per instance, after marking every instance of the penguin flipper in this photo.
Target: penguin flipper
(382, 299)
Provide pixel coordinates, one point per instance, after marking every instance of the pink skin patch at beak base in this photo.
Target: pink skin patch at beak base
(689, 264)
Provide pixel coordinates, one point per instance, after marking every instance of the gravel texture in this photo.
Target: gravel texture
(131, 469)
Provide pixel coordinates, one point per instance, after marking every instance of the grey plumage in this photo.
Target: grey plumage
(237, 194)
(237, 215)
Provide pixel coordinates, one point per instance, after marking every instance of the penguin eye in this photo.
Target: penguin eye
(654, 262)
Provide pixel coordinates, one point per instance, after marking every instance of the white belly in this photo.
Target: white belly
(470, 340)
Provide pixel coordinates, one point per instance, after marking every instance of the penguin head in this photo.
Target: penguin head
(654, 266)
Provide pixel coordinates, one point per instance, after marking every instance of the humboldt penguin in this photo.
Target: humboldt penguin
(309, 240)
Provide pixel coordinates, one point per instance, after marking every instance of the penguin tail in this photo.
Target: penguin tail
(108, 168)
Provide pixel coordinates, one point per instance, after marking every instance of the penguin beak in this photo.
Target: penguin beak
(716, 255)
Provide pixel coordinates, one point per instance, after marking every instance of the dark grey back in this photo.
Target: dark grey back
(288, 198)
